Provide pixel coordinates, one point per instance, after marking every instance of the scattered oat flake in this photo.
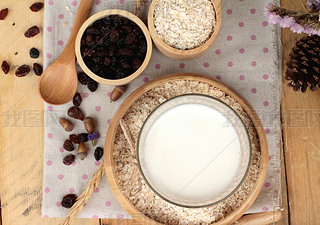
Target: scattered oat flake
(65, 24)
(68, 8)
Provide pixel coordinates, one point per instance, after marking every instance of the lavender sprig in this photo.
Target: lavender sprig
(93, 137)
(313, 4)
(298, 22)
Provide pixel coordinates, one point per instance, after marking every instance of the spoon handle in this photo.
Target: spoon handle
(81, 16)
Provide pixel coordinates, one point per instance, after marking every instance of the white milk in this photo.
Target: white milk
(192, 152)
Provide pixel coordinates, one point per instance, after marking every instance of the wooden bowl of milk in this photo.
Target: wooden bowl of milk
(194, 151)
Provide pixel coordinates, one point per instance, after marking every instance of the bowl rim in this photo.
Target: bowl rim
(194, 206)
(171, 50)
(115, 123)
(101, 15)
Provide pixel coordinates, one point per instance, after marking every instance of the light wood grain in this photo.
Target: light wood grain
(183, 54)
(301, 129)
(103, 14)
(111, 133)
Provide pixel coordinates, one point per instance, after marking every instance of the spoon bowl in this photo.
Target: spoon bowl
(59, 82)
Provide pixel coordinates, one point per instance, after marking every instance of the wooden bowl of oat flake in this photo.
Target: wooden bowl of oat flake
(126, 181)
(184, 29)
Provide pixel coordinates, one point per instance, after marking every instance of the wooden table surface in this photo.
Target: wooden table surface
(21, 132)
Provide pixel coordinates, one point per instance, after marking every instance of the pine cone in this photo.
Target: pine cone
(304, 64)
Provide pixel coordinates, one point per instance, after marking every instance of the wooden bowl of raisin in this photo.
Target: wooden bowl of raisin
(113, 47)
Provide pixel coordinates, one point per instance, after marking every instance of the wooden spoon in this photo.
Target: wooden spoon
(59, 82)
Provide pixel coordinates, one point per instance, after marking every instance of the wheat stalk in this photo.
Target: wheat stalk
(85, 196)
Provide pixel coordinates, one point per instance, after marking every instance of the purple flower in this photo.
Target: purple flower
(296, 28)
(96, 135)
(313, 3)
(287, 22)
(91, 137)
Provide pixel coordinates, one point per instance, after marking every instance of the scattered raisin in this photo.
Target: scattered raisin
(69, 159)
(69, 200)
(98, 153)
(76, 113)
(32, 31)
(22, 71)
(37, 69)
(67, 145)
(36, 7)
(92, 85)
(4, 13)
(77, 99)
(74, 138)
(83, 137)
(5, 67)
(83, 78)
(34, 53)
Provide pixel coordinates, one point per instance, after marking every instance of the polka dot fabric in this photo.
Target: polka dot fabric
(242, 57)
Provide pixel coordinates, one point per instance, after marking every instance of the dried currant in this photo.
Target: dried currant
(76, 113)
(34, 53)
(77, 99)
(22, 71)
(69, 200)
(98, 153)
(131, 38)
(67, 145)
(83, 137)
(4, 13)
(74, 138)
(36, 7)
(32, 31)
(5, 67)
(37, 69)
(83, 78)
(68, 160)
(92, 85)
(136, 63)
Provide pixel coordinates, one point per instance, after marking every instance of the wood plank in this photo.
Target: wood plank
(21, 133)
(301, 129)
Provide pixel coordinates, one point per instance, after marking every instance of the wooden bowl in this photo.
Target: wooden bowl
(178, 54)
(110, 137)
(101, 15)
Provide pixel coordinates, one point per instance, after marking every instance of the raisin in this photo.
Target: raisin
(107, 61)
(114, 35)
(76, 113)
(22, 71)
(32, 31)
(34, 53)
(67, 145)
(83, 78)
(126, 52)
(98, 153)
(131, 38)
(69, 200)
(36, 7)
(77, 99)
(37, 69)
(90, 40)
(117, 20)
(112, 50)
(83, 137)
(68, 160)
(92, 30)
(136, 63)
(101, 52)
(125, 65)
(4, 13)
(5, 67)
(74, 138)
(92, 85)
(142, 46)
